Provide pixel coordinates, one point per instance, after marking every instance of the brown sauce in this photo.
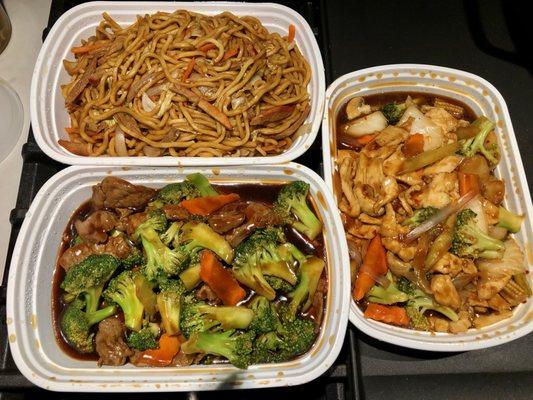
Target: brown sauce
(259, 192)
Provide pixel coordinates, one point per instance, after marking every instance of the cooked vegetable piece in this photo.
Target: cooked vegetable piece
(389, 295)
(470, 242)
(234, 345)
(419, 216)
(191, 276)
(89, 277)
(175, 193)
(146, 338)
(123, 291)
(303, 295)
(374, 265)
(164, 354)
(168, 304)
(220, 279)
(76, 324)
(468, 183)
(477, 144)
(441, 245)
(291, 205)
(393, 112)
(509, 220)
(427, 157)
(208, 204)
(202, 184)
(388, 314)
(414, 145)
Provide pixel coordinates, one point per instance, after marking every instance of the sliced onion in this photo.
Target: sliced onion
(147, 103)
(120, 143)
(151, 151)
(237, 101)
(366, 125)
(438, 217)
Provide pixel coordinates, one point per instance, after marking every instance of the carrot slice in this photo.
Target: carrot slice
(162, 356)
(208, 204)
(71, 130)
(88, 47)
(220, 280)
(374, 265)
(467, 183)
(230, 53)
(292, 33)
(414, 145)
(364, 140)
(206, 47)
(188, 70)
(389, 314)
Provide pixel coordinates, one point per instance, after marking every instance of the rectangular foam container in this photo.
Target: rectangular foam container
(47, 109)
(29, 291)
(483, 99)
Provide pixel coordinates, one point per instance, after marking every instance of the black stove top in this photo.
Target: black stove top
(488, 39)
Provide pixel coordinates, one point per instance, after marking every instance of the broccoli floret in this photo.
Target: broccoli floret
(420, 216)
(191, 276)
(175, 193)
(236, 346)
(417, 319)
(297, 336)
(202, 184)
(291, 205)
(160, 260)
(146, 338)
(135, 258)
(122, 290)
(172, 234)
(279, 285)
(406, 286)
(393, 112)
(263, 254)
(509, 220)
(470, 242)
(419, 302)
(156, 220)
(471, 146)
(389, 295)
(289, 252)
(76, 324)
(199, 317)
(265, 349)
(196, 236)
(89, 277)
(423, 303)
(302, 296)
(265, 317)
(169, 305)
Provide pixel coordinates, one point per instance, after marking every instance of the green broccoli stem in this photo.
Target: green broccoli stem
(471, 146)
(92, 298)
(202, 184)
(307, 223)
(99, 315)
(509, 220)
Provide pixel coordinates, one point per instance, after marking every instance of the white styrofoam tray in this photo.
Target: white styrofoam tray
(483, 99)
(47, 108)
(29, 291)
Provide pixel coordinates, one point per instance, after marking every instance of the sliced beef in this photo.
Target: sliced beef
(114, 192)
(205, 293)
(228, 217)
(110, 344)
(258, 215)
(129, 223)
(116, 246)
(175, 212)
(95, 227)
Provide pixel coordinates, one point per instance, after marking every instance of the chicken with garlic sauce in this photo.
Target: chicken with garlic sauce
(431, 242)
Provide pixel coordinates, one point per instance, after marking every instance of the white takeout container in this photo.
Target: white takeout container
(47, 107)
(29, 291)
(483, 99)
